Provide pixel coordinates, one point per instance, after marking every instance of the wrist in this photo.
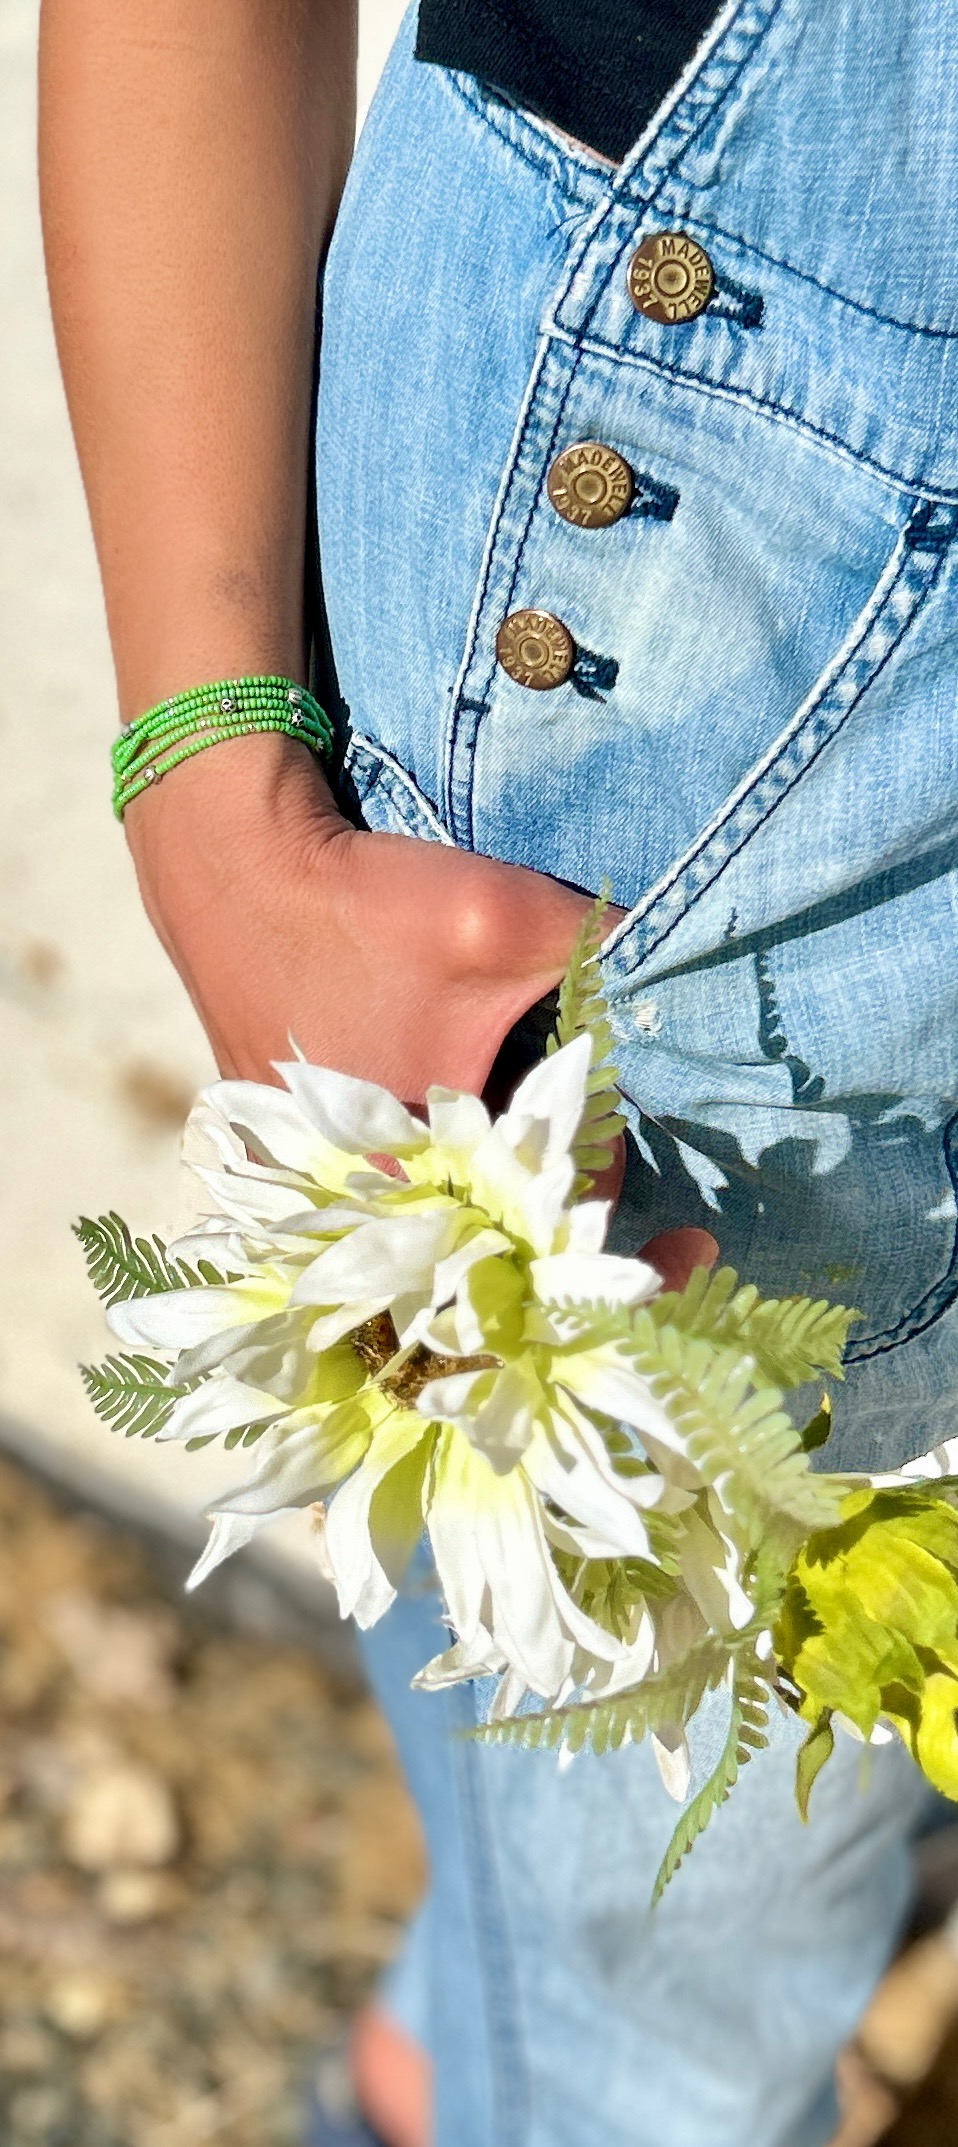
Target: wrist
(247, 808)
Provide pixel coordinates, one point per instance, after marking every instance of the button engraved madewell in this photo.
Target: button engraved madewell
(590, 485)
(670, 278)
(536, 649)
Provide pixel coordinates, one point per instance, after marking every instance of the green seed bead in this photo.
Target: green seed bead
(172, 732)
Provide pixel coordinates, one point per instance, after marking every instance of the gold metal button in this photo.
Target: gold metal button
(670, 278)
(536, 649)
(590, 485)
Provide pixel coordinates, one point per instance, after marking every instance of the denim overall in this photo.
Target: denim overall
(757, 745)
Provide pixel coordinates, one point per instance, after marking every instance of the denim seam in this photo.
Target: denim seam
(410, 804)
(779, 412)
(543, 154)
(709, 88)
(706, 85)
(639, 931)
(936, 1300)
(510, 2079)
(457, 745)
(885, 320)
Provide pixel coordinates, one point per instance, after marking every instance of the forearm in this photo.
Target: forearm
(192, 153)
(191, 160)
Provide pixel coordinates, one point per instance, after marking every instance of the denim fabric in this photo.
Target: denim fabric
(757, 746)
(558, 2010)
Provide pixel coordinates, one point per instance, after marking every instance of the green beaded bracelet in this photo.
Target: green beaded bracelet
(174, 730)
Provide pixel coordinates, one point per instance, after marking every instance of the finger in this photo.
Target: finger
(676, 1253)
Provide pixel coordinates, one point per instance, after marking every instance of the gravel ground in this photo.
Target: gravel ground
(206, 1854)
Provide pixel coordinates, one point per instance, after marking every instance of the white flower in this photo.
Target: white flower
(414, 1350)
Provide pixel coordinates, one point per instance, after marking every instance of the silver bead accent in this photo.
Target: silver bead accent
(149, 775)
(228, 704)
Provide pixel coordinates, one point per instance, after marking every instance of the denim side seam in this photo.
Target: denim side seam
(906, 583)
(369, 768)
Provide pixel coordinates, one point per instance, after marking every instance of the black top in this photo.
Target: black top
(597, 68)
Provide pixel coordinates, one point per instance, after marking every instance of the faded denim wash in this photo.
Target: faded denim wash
(758, 746)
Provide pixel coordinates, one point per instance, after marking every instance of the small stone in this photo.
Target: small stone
(82, 2004)
(131, 1896)
(26, 2048)
(121, 1815)
(37, 2111)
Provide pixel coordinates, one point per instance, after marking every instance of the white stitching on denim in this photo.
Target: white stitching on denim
(865, 647)
(727, 391)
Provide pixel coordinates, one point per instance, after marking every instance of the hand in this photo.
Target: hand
(404, 962)
(400, 961)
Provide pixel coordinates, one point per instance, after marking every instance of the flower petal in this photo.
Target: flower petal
(478, 1658)
(566, 1472)
(380, 1259)
(365, 1583)
(457, 1121)
(450, 1512)
(268, 1123)
(353, 1115)
(545, 1113)
(605, 1380)
(594, 1278)
(494, 1410)
(218, 1406)
(230, 1533)
(177, 1319)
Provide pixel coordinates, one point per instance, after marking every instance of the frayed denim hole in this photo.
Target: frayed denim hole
(593, 676)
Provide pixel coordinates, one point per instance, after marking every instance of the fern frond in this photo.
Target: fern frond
(121, 1266)
(129, 1391)
(582, 1011)
(792, 1339)
(738, 1437)
(671, 1695)
(747, 1733)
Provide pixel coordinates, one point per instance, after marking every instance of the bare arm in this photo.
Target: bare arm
(192, 153)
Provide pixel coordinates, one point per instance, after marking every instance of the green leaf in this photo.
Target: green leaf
(815, 1752)
(738, 1438)
(671, 1695)
(791, 1339)
(747, 1733)
(583, 1011)
(130, 1392)
(121, 1266)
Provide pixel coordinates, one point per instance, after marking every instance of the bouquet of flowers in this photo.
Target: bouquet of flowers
(412, 1324)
